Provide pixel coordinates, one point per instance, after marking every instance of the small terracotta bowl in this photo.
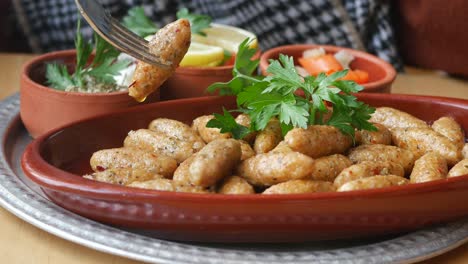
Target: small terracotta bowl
(188, 82)
(381, 73)
(43, 108)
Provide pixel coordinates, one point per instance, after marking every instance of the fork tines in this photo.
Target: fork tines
(116, 34)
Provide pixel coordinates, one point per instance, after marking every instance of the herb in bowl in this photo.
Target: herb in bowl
(263, 98)
(137, 21)
(140, 24)
(97, 76)
(197, 22)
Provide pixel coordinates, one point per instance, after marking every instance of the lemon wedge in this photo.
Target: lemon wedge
(226, 37)
(200, 54)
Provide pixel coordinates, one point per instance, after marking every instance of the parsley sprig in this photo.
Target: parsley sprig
(137, 21)
(197, 22)
(263, 98)
(244, 68)
(227, 123)
(102, 68)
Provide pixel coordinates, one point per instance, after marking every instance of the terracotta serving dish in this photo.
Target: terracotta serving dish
(43, 108)
(56, 160)
(381, 73)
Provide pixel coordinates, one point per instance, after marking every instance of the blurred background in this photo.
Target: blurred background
(11, 34)
(428, 33)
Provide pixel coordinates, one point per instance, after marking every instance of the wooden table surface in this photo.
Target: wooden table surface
(21, 242)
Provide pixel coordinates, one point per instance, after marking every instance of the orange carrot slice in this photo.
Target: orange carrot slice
(326, 63)
(363, 76)
(358, 76)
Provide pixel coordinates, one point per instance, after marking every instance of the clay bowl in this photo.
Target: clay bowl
(188, 82)
(56, 160)
(43, 108)
(381, 73)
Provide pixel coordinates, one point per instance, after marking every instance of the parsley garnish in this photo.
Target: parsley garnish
(137, 21)
(263, 98)
(102, 69)
(227, 56)
(58, 77)
(242, 72)
(197, 22)
(228, 124)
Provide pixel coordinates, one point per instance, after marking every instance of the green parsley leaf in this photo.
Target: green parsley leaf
(227, 123)
(105, 72)
(284, 77)
(265, 99)
(197, 22)
(104, 51)
(83, 51)
(244, 64)
(328, 80)
(360, 116)
(349, 114)
(232, 87)
(294, 114)
(58, 77)
(347, 86)
(263, 108)
(261, 116)
(227, 56)
(242, 73)
(137, 21)
(251, 93)
(285, 128)
(341, 121)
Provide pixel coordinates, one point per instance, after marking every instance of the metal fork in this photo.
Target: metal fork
(116, 34)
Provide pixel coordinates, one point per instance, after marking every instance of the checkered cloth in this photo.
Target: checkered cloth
(360, 24)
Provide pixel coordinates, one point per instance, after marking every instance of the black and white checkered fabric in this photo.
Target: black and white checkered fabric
(359, 24)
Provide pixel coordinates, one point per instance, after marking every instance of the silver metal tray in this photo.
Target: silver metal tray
(24, 199)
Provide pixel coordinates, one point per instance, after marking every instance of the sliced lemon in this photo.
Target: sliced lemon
(226, 37)
(200, 54)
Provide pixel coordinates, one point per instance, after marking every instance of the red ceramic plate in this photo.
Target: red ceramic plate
(56, 159)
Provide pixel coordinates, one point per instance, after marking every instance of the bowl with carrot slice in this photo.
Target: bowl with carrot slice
(371, 72)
